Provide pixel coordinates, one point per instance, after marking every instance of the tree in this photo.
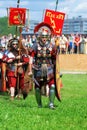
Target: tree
(4, 28)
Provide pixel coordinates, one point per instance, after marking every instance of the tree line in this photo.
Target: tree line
(5, 29)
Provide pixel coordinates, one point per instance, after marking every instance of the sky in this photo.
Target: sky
(71, 8)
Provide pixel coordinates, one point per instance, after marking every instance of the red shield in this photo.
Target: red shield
(58, 79)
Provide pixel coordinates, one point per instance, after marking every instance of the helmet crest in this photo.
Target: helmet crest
(43, 28)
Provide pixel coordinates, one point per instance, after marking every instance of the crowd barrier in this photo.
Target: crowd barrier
(73, 63)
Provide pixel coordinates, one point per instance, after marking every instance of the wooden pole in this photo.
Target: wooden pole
(19, 52)
(3, 77)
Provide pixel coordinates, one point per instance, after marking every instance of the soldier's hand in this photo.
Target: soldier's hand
(5, 59)
(10, 60)
(18, 57)
(19, 64)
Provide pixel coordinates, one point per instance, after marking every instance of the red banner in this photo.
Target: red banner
(17, 16)
(55, 19)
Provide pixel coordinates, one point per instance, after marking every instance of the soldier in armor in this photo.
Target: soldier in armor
(15, 66)
(44, 54)
(2, 68)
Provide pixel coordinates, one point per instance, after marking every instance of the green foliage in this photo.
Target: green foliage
(4, 28)
(70, 113)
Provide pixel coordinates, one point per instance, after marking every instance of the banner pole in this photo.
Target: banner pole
(18, 90)
(18, 3)
(56, 5)
(17, 7)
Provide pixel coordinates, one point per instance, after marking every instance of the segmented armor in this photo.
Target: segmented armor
(44, 61)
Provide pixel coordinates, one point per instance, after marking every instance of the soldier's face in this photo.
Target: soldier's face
(3, 48)
(15, 46)
(44, 39)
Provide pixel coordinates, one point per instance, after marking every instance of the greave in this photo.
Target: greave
(52, 94)
(12, 91)
(38, 97)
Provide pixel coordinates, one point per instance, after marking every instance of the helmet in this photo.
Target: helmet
(12, 42)
(44, 32)
(2, 46)
(43, 29)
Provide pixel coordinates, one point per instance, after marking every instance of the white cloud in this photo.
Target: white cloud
(81, 7)
(36, 7)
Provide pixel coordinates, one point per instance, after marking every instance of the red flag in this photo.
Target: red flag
(17, 16)
(55, 19)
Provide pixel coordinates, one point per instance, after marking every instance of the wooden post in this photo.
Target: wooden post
(3, 77)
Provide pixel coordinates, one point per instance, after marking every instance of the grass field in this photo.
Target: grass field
(70, 113)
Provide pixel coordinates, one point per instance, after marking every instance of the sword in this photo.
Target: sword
(36, 81)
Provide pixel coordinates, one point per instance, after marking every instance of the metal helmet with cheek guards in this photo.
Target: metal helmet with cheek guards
(12, 42)
(43, 30)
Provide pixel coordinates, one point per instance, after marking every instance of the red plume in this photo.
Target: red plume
(41, 25)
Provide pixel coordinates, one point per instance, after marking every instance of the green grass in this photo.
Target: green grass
(70, 113)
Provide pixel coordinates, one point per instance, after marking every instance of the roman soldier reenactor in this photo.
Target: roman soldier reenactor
(16, 59)
(2, 68)
(44, 54)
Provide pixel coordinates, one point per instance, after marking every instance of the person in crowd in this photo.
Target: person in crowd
(15, 59)
(63, 42)
(52, 39)
(27, 43)
(44, 54)
(82, 45)
(71, 43)
(30, 43)
(85, 42)
(28, 40)
(2, 68)
(77, 42)
(33, 38)
(57, 43)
